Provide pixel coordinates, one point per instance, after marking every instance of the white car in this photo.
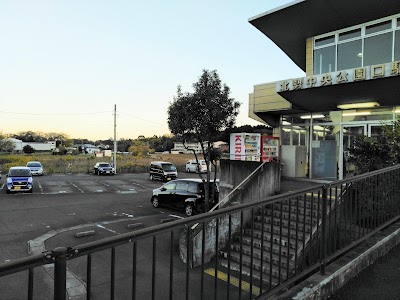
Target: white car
(35, 167)
(191, 166)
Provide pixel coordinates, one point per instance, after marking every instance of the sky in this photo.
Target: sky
(66, 64)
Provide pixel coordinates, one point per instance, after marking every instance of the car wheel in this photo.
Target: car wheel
(189, 211)
(7, 191)
(187, 170)
(98, 173)
(155, 202)
(31, 191)
(151, 177)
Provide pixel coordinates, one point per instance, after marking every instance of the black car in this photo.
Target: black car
(103, 168)
(186, 194)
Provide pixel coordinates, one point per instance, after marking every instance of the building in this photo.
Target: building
(350, 54)
(180, 148)
(87, 148)
(46, 146)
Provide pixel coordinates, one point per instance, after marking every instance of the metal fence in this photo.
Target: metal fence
(248, 251)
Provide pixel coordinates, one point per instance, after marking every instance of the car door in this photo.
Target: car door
(181, 194)
(167, 193)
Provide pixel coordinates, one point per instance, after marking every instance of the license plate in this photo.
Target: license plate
(108, 172)
(16, 187)
(168, 178)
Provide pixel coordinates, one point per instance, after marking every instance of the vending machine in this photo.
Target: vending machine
(245, 146)
(269, 148)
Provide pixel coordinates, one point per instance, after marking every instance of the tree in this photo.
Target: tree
(139, 148)
(6, 145)
(203, 114)
(28, 149)
(370, 154)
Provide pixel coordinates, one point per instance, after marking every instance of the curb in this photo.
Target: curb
(76, 288)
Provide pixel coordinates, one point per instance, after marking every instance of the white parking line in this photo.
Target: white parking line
(175, 216)
(74, 185)
(40, 186)
(101, 226)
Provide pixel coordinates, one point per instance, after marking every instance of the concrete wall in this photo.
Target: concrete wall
(264, 181)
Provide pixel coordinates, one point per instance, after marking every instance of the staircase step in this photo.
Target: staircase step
(266, 279)
(294, 208)
(276, 228)
(255, 264)
(276, 248)
(285, 222)
(267, 236)
(267, 256)
(293, 216)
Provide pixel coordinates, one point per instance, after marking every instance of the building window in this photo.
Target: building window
(378, 27)
(359, 46)
(378, 49)
(397, 45)
(324, 41)
(349, 55)
(325, 60)
(350, 34)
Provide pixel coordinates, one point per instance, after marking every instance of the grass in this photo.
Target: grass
(84, 163)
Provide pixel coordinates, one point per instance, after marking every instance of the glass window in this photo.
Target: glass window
(170, 186)
(325, 41)
(182, 186)
(193, 187)
(378, 27)
(168, 167)
(324, 60)
(285, 136)
(349, 34)
(349, 55)
(397, 45)
(398, 22)
(378, 49)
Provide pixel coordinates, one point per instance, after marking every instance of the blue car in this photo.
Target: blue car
(19, 179)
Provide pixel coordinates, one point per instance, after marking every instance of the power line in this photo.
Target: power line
(54, 114)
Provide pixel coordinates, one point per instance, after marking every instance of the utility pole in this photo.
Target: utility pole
(115, 138)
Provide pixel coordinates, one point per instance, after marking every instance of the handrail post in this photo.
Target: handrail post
(323, 228)
(60, 273)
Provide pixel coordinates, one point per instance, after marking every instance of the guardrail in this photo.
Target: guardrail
(305, 230)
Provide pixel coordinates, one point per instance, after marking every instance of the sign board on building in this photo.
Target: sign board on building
(339, 77)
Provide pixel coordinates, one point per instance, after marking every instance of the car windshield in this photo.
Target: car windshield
(104, 165)
(20, 172)
(33, 164)
(168, 167)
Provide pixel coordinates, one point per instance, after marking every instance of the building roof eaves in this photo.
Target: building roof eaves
(290, 25)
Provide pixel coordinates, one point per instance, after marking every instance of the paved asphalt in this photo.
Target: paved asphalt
(381, 280)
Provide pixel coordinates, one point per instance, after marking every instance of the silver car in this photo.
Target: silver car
(35, 167)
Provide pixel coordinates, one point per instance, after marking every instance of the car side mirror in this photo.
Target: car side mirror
(163, 189)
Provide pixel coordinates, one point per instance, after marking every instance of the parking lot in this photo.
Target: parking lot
(63, 205)
(88, 183)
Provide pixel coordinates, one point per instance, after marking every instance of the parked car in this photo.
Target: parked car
(187, 194)
(163, 170)
(35, 167)
(19, 179)
(101, 168)
(193, 166)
